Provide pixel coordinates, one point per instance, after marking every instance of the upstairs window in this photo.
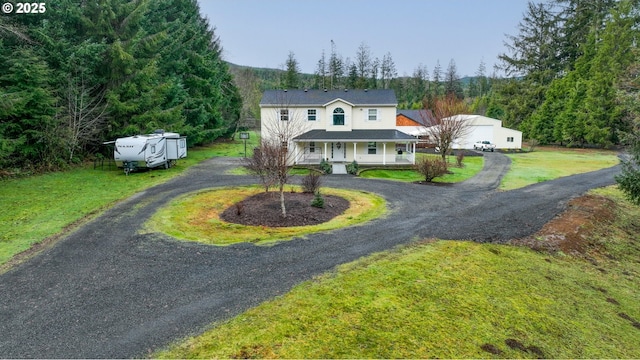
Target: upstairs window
(284, 115)
(372, 114)
(311, 115)
(338, 116)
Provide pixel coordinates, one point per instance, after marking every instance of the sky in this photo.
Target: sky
(261, 33)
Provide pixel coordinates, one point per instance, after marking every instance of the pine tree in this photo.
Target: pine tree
(292, 72)
(452, 84)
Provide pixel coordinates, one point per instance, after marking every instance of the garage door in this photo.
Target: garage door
(479, 133)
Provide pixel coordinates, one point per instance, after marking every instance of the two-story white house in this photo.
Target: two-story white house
(340, 125)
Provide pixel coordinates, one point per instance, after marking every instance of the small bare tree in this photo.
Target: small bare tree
(262, 163)
(443, 121)
(276, 151)
(84, 113)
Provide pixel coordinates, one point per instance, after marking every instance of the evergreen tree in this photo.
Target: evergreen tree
(533, 65)
(321, 73)
(363, 65)
(140, 64)
(336, 68)
(28, 124)
(292, 72)
(452, 84)
(387, 70)
(578, 19)
(436, 84)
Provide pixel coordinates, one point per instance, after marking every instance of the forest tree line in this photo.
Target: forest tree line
(569, 77)
(85, 72)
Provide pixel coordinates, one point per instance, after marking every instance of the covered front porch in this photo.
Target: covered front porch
(373, 147)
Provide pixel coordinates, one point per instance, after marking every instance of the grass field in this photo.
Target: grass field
(547, 163)
(37, 207)
(453, 299)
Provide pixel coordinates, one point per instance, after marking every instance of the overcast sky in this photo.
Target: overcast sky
(261, 33)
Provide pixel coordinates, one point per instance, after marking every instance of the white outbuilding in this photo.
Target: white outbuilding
(480, 128)
(486, 128)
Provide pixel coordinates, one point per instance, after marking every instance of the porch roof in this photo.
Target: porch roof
(391, 135)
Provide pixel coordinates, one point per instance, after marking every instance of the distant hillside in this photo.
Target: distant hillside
(271, 77)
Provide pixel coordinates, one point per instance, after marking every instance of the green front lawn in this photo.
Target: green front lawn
(452, 299)
(37, 207)
(472, 165)
(547, 163)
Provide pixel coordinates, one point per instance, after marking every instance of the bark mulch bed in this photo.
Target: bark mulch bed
(263, 209)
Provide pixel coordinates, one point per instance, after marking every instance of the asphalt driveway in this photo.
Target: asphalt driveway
(106, 291)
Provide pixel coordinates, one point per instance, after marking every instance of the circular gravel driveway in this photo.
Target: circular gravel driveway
(106, 291)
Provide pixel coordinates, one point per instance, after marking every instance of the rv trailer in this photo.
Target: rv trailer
(149, 151)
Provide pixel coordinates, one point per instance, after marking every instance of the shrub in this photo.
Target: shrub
(629, 181)
(459, 159)
(353, 168)
(325, 166)
(311, 183)
(318, 200)
(431, 168)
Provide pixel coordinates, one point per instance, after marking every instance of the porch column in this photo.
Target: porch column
(384, 153)
(413, 160)
(355, 146)
(325, 152)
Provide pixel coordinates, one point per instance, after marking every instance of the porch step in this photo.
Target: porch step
(339, 169)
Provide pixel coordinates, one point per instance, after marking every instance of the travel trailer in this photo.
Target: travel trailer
(149, 151)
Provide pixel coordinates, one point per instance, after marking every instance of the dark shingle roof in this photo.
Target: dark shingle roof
(355, 135)
(415, 115)
(322, 97)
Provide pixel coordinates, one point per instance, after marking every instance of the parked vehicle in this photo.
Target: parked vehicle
(484, 145)
(149, 151)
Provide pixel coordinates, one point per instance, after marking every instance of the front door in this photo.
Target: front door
(338, 151)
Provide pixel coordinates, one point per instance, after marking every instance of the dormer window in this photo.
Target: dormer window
(338, 116)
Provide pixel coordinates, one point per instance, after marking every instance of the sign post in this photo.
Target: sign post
(244, 136)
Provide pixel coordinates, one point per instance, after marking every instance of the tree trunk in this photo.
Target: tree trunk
(284, 209)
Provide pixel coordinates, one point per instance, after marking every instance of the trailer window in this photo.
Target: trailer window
(153, 149)
(182, 143)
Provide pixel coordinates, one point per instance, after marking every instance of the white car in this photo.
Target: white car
(484, 145)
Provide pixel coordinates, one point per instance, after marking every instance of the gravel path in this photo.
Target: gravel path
(107, 292)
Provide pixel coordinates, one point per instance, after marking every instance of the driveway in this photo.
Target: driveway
(106, 291)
